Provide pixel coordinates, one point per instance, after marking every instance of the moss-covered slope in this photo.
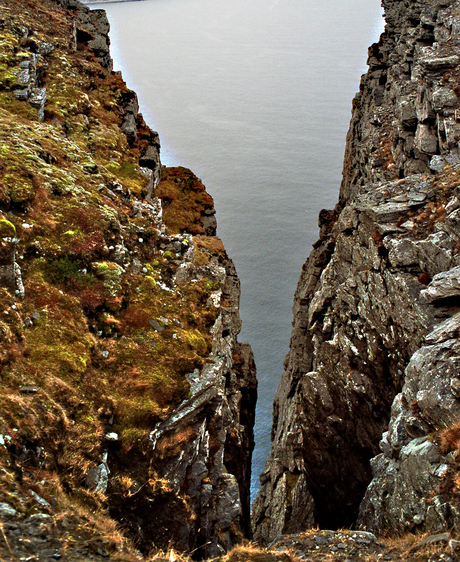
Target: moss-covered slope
(106, 304)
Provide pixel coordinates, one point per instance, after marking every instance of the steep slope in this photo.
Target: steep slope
(375, 305)
(125, 395)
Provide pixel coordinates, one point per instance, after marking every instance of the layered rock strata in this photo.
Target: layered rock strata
(375, 308)
(126, 397)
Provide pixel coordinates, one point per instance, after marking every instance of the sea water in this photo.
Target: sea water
(255, 97)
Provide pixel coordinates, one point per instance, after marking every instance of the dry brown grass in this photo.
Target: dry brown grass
(184, 200)
(212, 244)
(170, 446)
(449, 439)
(248, 552)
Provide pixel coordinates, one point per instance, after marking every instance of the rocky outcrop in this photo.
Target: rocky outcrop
(202, 450)
(126, 397)
(10, 271)
(91, 27)
(374, 310)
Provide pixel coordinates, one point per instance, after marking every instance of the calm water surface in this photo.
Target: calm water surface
(255, 97)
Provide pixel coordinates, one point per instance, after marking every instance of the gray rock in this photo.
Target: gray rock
(156, 325)
(416, 473)
(44, 48)
(228, 506)
(426, 139)
(8, 272)
(209, 224)
(129, 126)
(321, 541)
(151, 159)
(29, 389)
(97, 478)
(437, 163)
(7, 512)
(444, 285)
(432, 539)
(442, 98)
(39, 499)
(440, 63)
(22, 95)
(447, 330)
(112, 436)
(408, 114)
(38, 98)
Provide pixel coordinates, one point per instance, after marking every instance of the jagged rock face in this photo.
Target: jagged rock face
(362, 309)
(202, 450)
(125, 394)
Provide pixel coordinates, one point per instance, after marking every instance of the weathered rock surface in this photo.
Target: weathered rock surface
(375, 308)
(202, 450)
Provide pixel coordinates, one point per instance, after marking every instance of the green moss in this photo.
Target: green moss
(184, 200)
(7, 229)
(129, 170)
(20, 188)
(111, 273)
(8, 79)
(133, 436)
(150, 281)
(10, 42)
(62, 269)
(90, 168)
(113, 167)
(62, 185)
(73, 233)
(196, 341)
(59, 342)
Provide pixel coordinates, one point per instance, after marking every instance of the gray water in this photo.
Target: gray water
(255, 97)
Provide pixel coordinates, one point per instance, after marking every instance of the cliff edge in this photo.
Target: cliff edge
(368, 404)
(127, 403)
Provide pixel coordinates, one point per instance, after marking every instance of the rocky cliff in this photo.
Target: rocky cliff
(127, 403)
(368, 404)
